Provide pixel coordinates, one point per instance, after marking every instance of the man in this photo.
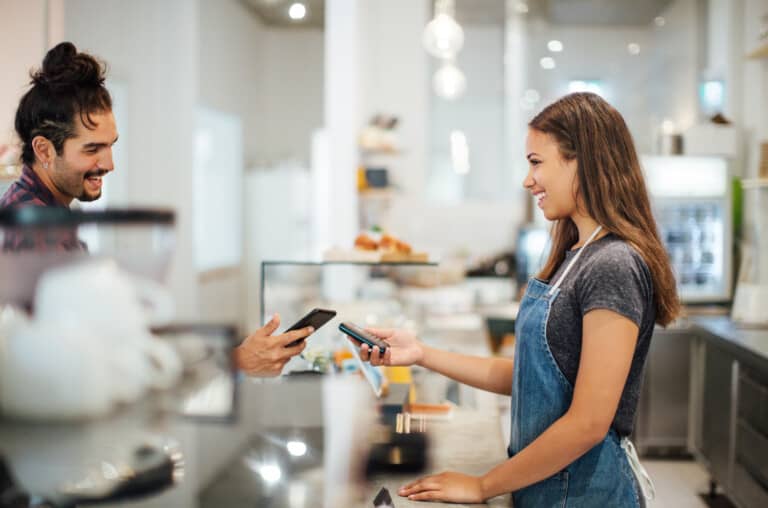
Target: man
(67, 130)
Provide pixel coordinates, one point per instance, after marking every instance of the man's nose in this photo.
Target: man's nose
(106, 162)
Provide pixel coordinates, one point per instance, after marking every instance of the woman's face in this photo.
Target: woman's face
(551, 179)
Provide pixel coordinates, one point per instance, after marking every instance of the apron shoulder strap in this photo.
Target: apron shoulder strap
(573, 261)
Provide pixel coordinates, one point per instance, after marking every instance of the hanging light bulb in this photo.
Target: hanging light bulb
(443, 37)
(449, 82)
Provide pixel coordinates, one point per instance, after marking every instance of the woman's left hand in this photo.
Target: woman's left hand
(449, 486)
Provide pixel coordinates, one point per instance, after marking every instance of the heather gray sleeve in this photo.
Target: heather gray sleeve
(617, 279)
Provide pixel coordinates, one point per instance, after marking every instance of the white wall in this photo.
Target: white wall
(596, 53)
(273, 80)
(23, 38)
(676, 66)
(479, 113)
(152, 48)
(291, 78)
(395, 81)
(232, 52)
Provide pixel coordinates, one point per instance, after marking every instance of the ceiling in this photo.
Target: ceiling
(604, 12)
(491, 12)
(275, 13)
(564, 12)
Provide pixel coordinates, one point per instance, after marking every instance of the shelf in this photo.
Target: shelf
(353, 263)
(759, 52)
(377, 193)
(381, 151)
(754, 183)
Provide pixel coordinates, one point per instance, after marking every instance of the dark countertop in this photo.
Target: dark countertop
(749, 345)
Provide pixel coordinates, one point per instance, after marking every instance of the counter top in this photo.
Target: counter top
(749, 345)
(470, 442)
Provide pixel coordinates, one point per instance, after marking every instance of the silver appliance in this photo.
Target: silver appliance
(691, 199)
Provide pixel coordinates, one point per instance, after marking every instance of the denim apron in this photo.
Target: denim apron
(607, 475)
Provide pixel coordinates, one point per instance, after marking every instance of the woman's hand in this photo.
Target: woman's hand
(404, 348)
(262, 354)
(449, 486)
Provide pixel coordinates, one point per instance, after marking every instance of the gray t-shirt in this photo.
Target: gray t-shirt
(608, 275)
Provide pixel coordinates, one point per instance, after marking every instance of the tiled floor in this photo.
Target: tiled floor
(680, 484)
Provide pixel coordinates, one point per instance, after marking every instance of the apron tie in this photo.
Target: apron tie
(643, 479)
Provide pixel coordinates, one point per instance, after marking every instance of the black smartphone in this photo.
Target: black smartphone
(314, 318)
(358, 333)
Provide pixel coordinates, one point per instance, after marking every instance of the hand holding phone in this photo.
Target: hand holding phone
(314, 318)
(402, 347)
(361, 335)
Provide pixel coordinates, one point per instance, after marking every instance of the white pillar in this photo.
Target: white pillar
(343, 99)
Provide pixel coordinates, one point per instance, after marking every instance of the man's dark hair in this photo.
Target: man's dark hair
(69, 83)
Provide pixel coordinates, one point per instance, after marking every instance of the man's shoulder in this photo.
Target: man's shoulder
(18, 196)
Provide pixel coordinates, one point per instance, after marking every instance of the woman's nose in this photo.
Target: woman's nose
(529, 182)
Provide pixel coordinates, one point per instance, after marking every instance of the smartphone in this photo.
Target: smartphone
(358, 333)
(314, 318)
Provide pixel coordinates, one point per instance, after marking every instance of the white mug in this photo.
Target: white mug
(55, 371)
(119, 307)
(89, 341)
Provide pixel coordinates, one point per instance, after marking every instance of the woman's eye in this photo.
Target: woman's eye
(534, 162)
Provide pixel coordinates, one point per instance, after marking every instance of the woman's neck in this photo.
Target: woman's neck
(586, 226)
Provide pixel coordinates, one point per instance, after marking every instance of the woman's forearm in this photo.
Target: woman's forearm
(561, 444)
(490, 374)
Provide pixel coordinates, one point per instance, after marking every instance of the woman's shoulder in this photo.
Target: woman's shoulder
(616, 254)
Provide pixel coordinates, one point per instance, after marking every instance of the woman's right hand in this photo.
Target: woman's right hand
(404, 348)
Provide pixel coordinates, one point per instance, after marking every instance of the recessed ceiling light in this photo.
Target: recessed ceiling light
(547, 63)
(297, 448)
(555, 46)
(633, 48)
(297, 11)
(659, 21)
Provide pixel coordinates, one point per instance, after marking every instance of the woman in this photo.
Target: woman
(583, 329)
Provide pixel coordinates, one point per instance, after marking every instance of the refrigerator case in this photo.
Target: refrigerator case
(691, 199)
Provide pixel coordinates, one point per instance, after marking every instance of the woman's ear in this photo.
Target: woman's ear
(44, 150)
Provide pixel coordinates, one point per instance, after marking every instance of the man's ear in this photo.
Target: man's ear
(44, 150)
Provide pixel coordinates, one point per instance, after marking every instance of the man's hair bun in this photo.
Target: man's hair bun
(63, 68)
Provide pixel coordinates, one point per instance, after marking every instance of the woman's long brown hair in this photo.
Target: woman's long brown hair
(611, 187)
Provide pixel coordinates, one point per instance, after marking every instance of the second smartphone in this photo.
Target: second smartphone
(361, 335)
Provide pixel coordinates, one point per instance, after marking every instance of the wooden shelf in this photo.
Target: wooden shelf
(376, 193)
(759, 52)
(754, 183)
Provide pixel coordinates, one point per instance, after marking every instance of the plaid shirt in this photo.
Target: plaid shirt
(29, 190)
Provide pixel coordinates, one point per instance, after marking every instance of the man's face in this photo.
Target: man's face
(77, 172)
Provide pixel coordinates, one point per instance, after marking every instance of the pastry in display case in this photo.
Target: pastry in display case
(376, 247)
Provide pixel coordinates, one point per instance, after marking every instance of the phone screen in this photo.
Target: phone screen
(314, 318)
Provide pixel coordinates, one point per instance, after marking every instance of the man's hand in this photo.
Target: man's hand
(449, 486)
(262, 354)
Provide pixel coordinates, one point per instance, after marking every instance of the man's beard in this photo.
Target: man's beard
(73, 185)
